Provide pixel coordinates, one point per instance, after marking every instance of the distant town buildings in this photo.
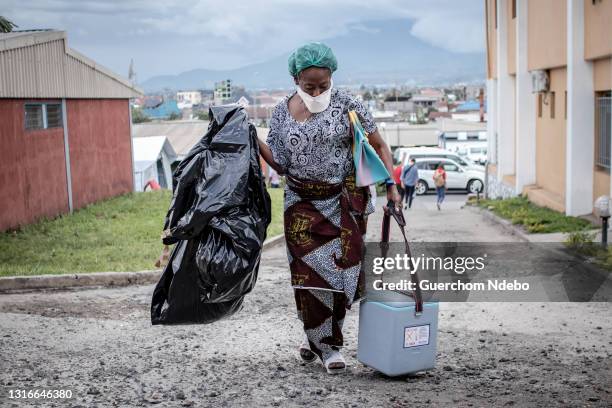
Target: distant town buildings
(186, 99)
(403, 104)
(223, 91)
(469, 111)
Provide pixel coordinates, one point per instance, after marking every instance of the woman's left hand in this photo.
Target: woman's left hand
(393, 195)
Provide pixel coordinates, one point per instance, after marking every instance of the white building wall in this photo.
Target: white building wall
(525, 106)
(505, 97)
(580, 143)
(492, 120)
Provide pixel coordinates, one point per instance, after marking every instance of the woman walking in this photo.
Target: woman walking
(325, 214)
(439, 178)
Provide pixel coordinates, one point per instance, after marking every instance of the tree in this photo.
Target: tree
(174, 116)
(202, 115)
(6, 26)
(138, 116)
(367, 96)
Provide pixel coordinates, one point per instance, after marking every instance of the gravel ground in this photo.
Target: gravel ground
(99, 343)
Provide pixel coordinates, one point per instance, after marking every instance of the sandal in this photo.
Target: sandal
(335, 363)
(306, 354)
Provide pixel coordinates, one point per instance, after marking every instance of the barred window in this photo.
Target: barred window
(603, 129)
(34, 116)
(54, 115)
(43, 115)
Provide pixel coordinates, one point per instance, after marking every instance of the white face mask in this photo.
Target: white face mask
(316, 104)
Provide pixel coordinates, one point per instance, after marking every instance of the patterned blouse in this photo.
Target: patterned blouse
(318, 149)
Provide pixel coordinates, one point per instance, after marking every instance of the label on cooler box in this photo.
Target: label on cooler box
(416, 336)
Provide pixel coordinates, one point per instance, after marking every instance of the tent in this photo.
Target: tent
(153, 157)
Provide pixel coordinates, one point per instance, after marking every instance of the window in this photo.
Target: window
(54, 115)
(433, 165)
(603, 127)
(456, 158)
(552, 105)
(513, 8)
(34, 117)
(450, 167)
(43, 115)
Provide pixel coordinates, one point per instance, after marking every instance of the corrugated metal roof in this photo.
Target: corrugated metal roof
(39, 64)
(470, 106)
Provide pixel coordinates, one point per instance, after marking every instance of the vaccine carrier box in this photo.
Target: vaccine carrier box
(395, 340)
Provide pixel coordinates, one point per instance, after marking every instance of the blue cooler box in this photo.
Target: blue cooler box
(396, 341)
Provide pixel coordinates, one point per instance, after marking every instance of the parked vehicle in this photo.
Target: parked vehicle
(406, 153)
(475, 154)
(457, 176)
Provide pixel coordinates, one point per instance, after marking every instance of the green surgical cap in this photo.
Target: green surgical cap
(313, 54)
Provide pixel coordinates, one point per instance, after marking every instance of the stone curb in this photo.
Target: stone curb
(104, 279)
(12, 284)
(274, 241)
(505, 224)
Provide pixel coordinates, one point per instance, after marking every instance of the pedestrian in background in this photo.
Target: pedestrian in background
(410, 177)
(397, 177)
(439, 178)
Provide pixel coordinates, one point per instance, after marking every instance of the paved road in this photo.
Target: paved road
(99, 343)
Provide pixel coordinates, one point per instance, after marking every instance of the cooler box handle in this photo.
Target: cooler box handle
(391, 211)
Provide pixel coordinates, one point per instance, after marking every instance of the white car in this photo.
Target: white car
(477, 154)
(404, 154)
(457, 177)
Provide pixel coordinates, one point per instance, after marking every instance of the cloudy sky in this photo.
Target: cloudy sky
(172, 36)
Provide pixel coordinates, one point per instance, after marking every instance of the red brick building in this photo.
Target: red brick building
(65, 129)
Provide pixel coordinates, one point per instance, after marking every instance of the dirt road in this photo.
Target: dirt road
(99, 343)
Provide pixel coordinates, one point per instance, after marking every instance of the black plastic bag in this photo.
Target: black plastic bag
(218, 218)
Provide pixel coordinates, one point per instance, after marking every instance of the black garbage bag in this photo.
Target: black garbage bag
(218, 217)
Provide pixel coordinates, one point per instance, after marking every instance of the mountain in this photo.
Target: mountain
(384, 53)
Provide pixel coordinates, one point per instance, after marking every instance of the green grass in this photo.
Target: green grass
(535, 219)
(276, 226)
(583, 243)
(119, 234)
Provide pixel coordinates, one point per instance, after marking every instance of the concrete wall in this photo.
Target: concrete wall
(598, 29)
(506, 101)
(547, 28)
(602, 74)
(549, 157)
(601, 183)
(551, 138)
(33, 180)
(525, 106)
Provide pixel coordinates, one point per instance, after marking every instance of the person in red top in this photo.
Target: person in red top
(439, 178)
(397, 177)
